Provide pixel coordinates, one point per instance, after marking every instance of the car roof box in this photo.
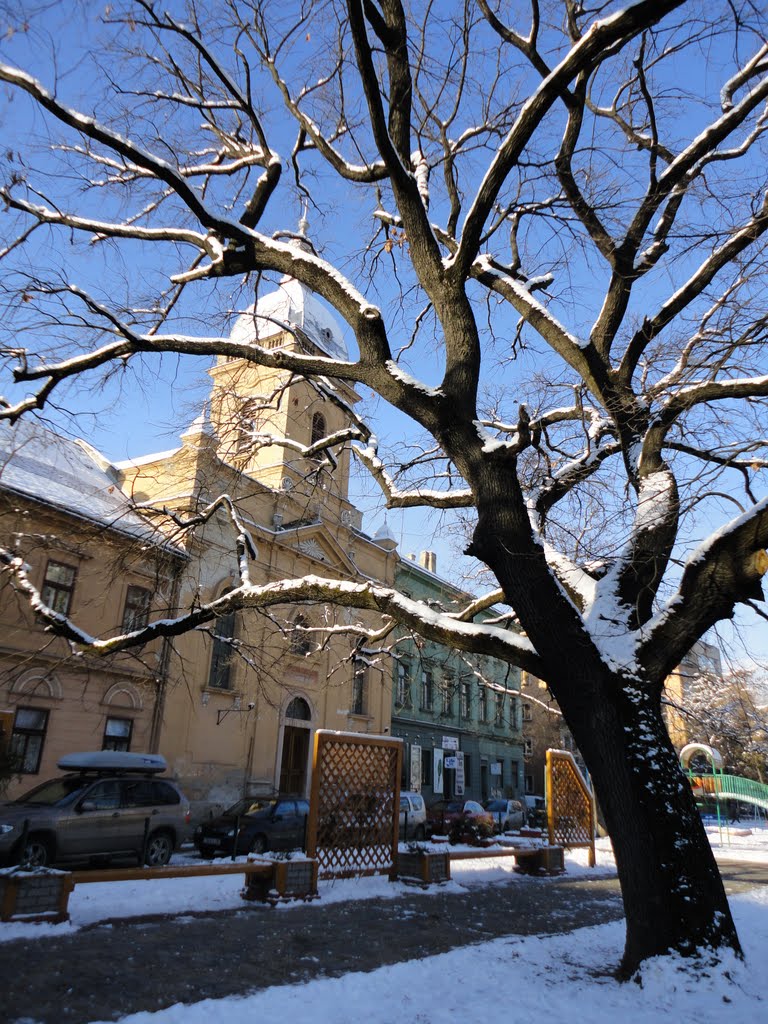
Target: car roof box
(113, 761)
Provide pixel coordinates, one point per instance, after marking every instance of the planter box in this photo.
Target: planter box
(40, 895)
(549, 860)
(424, 867)
(288, 880)
(296, 879)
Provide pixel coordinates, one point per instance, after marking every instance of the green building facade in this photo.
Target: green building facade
(458, 714)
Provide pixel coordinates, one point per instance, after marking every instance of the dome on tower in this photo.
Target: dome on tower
(291, 305)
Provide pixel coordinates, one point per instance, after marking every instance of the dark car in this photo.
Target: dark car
(255, 825)
(445, 816)
(111, 806)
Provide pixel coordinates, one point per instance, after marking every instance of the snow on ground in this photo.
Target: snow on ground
(561, 975)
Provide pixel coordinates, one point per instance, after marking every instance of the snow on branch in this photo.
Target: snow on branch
(441, 627)
(397, 498)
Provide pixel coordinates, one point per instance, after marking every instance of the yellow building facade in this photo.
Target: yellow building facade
(234, 706)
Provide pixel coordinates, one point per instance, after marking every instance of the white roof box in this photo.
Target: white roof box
(112, 761)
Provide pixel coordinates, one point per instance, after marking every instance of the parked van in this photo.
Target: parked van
(413, 816)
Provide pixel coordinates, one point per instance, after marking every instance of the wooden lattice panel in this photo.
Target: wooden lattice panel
(571, 810)
(354, 805)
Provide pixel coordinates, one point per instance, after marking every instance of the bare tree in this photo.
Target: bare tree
(725, 714)
(562, 208)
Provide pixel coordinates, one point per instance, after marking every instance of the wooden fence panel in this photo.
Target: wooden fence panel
(354, 804)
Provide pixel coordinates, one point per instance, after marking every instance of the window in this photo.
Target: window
(318, 428)
(136, 612)
(249, 421)
(426, 767)
(299, 710)
(527, 713)
(498, 718)
(58, 586)
(117, 734)
(219, 676)
(300, 642)
(427, 689)
(27, 738)
(528, 783)
(482, 709)
(528, 746)
(514, 713)
(360, 689)
(403, 694)
(447, 696)
(466, 700)
(104, 796)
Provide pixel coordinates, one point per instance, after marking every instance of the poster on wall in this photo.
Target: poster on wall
(415, 772)
(437, 771)
(459, 781)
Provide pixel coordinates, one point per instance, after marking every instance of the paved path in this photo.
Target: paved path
(106, 971)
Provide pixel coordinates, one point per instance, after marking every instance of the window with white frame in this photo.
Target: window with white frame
(446, 693)
(466, 700)
(117, 734)
(482, 704)
(136, 611)
(498, 715)
(427, 690)
(403, 685)
(27, 739)
(220, 672)
(59, 586)
(360, 689)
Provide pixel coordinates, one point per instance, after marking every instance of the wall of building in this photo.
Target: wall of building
(488, 734)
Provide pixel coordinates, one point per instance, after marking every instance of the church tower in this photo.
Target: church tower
(253, 407)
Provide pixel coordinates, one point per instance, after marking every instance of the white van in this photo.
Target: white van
(413, 816)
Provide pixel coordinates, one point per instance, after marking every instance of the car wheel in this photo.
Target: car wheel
(159, 850)
(259, 844)
(36, 853)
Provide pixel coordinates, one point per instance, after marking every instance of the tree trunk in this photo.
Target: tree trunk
(673, 895)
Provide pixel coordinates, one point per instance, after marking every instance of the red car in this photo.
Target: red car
(445, 815)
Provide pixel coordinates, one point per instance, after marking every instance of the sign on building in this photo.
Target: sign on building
(459, 780)
(437, 771)
(450, 742)
(415, 768)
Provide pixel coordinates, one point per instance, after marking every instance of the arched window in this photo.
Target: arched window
(298, 709)
(248, 423)
(220, 674)
(318, 428)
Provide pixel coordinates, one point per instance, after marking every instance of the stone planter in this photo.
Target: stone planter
(39, 895)
(424, 867)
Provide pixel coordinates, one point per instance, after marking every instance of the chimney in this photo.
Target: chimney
(428, 561)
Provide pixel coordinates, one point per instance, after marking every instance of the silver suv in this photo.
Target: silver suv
(111, 806)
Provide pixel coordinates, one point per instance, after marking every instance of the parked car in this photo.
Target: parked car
(444, 816)
(507, 814)
(254, 825)
(413, 816)
(109, 805)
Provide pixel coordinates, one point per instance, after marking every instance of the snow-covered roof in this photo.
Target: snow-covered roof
(73, 477)
(291, 305)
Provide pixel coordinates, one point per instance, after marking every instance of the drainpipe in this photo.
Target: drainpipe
(161, 681)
